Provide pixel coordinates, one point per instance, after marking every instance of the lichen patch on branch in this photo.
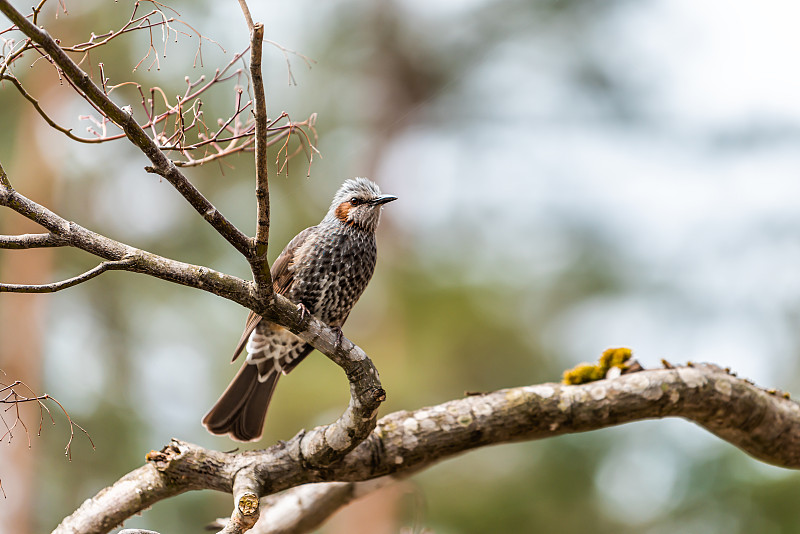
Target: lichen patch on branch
(587, 372)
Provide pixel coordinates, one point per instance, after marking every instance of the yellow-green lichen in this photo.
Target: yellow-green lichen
(586, 372)
(582, 373)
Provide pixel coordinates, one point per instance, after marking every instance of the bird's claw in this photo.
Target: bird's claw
(303, 311)
(339, 336)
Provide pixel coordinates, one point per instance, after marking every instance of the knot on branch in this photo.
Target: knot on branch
(378, 395)
(163, 459)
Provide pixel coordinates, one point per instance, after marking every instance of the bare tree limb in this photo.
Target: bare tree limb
(25, 241)
(116, 265)
(258, 263)
(162, 165)
(763, 424)
(53, 124)
(137, 260)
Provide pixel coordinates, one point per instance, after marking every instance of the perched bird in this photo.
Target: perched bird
(325, 268)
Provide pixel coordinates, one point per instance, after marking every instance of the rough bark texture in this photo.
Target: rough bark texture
(762, 423)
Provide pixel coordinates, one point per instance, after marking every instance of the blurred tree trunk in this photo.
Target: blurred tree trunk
(22, 321)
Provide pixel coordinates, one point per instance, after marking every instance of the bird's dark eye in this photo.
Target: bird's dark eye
(355, 201)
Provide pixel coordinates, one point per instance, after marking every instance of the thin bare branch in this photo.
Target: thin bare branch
(103, 129)
(140, 261)
(14, 399)
(45, 116)
(117, 265)
(143, 22)
(258, 262)
(286, 51)
(246, 13)
(26, 241)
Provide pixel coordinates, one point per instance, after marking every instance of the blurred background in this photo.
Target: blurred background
(573, 175)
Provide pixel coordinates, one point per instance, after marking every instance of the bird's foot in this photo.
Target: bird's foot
(303, 311)
(339, 335)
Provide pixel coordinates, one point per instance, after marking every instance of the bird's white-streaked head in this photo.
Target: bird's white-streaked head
(358, 203)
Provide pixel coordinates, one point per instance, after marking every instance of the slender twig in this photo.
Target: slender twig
(64, 284)
(14, 55)
(192, 162)
(15, 399)
(175, 141)
(46, 117)
(286, 51)
(247, 16)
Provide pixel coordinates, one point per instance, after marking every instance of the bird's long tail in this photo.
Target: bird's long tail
(242, 408)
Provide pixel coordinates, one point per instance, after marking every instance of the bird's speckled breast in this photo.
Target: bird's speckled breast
(331, 271)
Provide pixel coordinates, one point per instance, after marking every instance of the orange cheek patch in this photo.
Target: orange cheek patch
(342, 211)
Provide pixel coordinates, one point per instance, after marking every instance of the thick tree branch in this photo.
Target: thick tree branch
(109, 508)
(162, 165)
(763, 424)
(64, 284)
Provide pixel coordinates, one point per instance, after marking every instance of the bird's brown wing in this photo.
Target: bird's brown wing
(282, 278)
(282, 275)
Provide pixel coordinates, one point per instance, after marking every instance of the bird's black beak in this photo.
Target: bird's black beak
(383, 199)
